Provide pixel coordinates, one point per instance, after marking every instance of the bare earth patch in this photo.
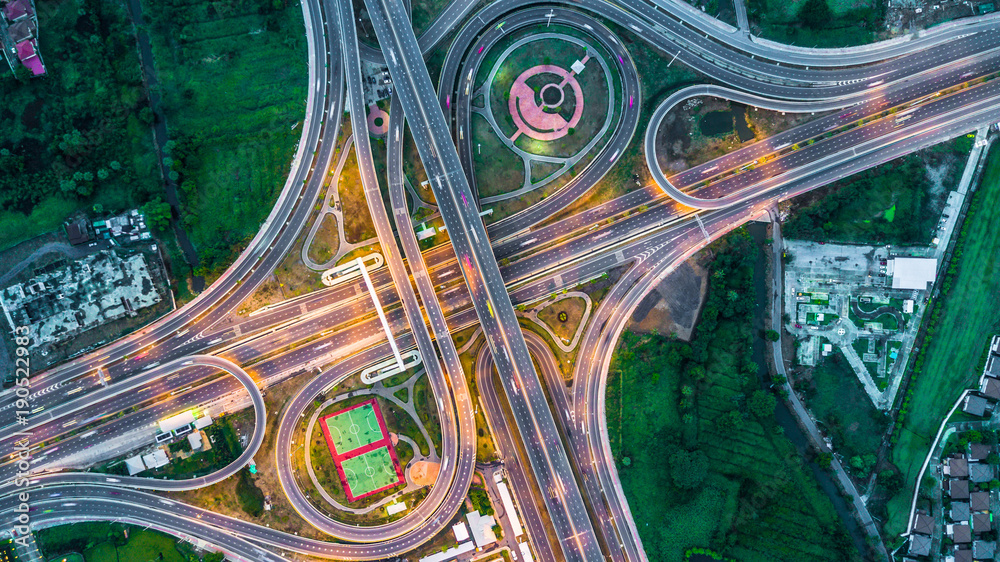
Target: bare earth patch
(672, 307)
(424, 473)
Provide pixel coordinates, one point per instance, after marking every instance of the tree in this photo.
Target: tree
(815, 13)
(214, 557)
(772, 335)
(891, 480)
(824, 460)
(22, 73)
(729, 422)
(687, 468)
(157, 213)
(762, 404)
(697, 373)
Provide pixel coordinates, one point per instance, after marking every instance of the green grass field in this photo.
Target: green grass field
(233, 77)
(72, 557)
(833, 23)
(969, 316)
(105, 542)
(369, 471)
(857, 210)
(698, 467)
(354, 429)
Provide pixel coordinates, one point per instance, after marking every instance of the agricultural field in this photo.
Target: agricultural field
(700, 456)
(233, 79)
(961, 324)
(898, 202)
(78, 139)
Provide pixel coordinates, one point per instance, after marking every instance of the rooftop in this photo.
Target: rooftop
(960, 533)
(975, 405)
(979, 451)
(959, 512)
(958, 489)
(913, 273)
(923, 524)
(984, 549)
(17, 9)
(957, 467)
(979, 501)
(982, 523)
(920, 545)
(991, 387)
(980, 472)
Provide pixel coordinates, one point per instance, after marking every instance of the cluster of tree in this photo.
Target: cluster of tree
(480, 501)
(680, 457)
(958, 443)
(71, 132)
(251, 498)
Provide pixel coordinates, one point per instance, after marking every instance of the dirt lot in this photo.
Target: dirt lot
(672, 307)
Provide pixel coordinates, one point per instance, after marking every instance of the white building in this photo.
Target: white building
(913, 273)
(482, 529)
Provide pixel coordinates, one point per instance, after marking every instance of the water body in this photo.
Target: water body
(782, 414)
(717, 123)
(740, 118)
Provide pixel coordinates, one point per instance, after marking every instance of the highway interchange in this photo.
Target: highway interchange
(174, 363)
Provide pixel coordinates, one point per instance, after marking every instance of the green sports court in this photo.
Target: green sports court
(352, 429)
(370, 472)
(361, 448)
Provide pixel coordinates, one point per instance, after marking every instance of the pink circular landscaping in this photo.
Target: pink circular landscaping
(531, 118)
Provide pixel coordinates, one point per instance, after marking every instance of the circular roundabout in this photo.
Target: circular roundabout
(544, 101)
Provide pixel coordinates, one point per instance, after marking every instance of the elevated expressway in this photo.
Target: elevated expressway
(563, 253)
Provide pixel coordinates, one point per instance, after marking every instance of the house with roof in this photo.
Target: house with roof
(979, 451)
(77, 232)
(959, 555)
(984, 550)
(960, 533)
(19, 36)
(992, 369)
(990, 387)
(979, 501)
(957, 489)
(956, 467)
(977, 405)
(920, 545)
(923, 524)
(959, 512)
(982, 523)
(980, 472)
